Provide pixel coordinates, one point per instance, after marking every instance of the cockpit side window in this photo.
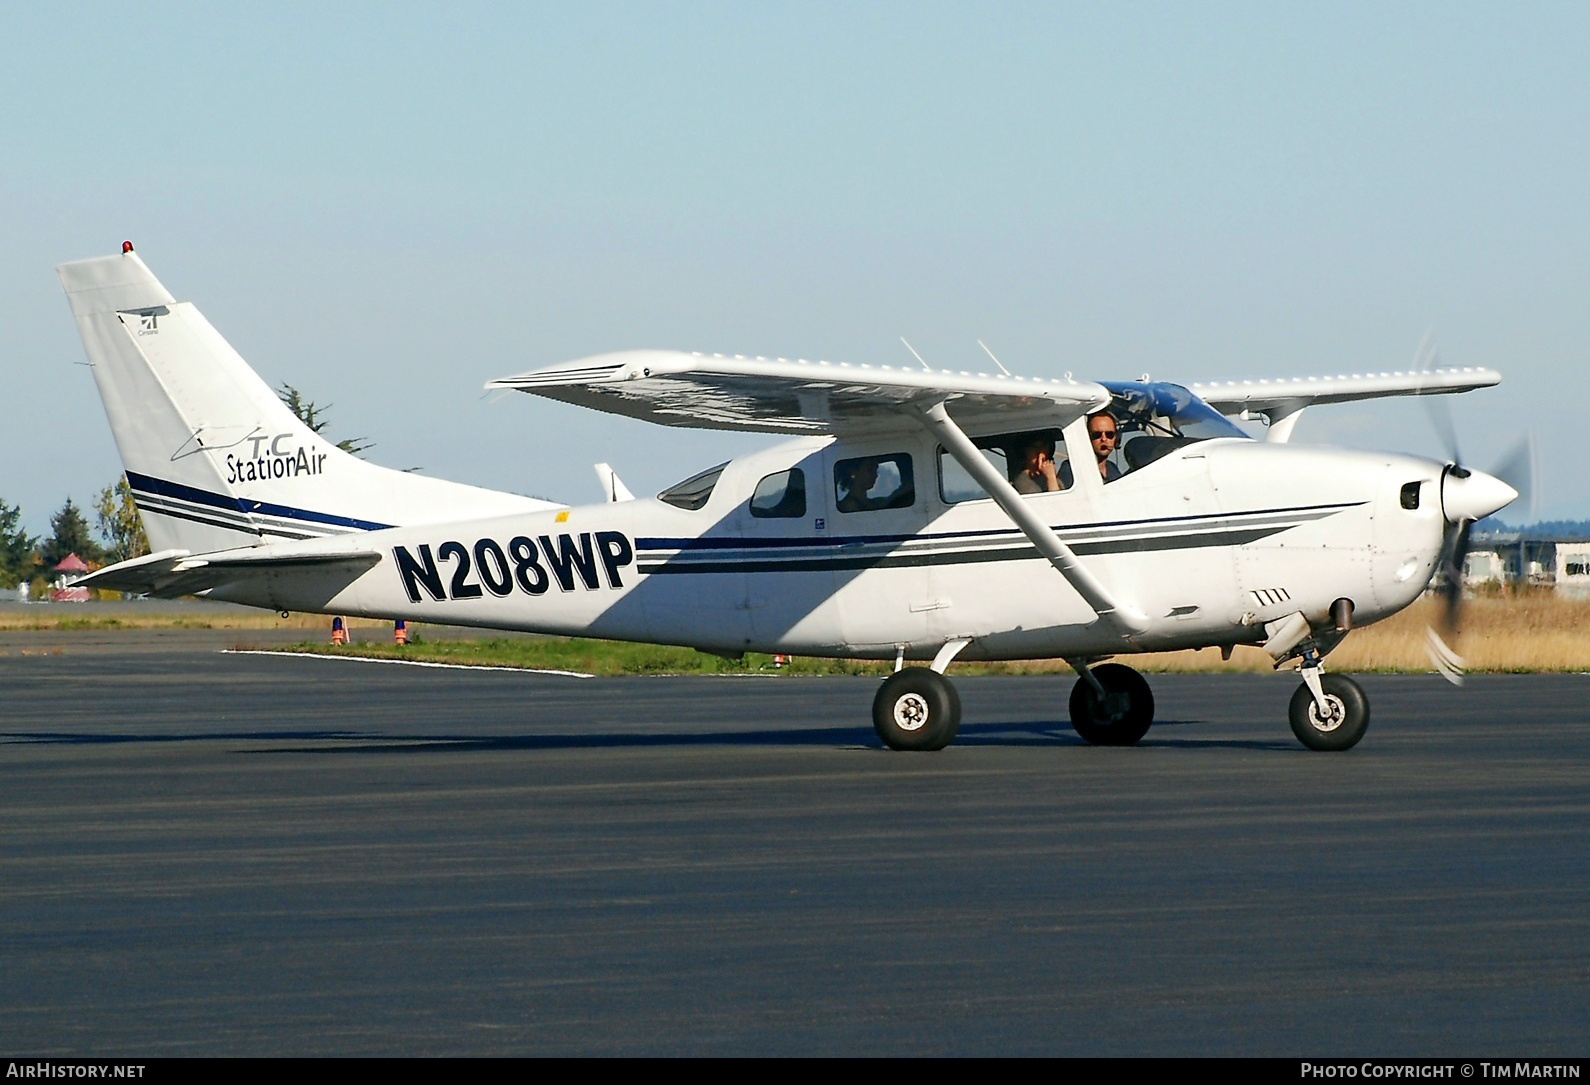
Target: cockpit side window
(869, 483)
(693, 492)
(780, 496)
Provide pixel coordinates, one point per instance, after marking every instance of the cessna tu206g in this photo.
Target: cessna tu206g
(922, 517)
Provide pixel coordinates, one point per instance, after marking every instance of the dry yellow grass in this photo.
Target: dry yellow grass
(1529, 631)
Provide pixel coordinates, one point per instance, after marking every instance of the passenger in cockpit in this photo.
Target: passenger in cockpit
(1037, 474)
(858, 477)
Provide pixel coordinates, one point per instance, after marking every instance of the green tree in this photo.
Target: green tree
(16, 547)
(70, 534)
(119, 522)
(313, 416)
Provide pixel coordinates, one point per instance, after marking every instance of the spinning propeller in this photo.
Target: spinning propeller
(1466, 496)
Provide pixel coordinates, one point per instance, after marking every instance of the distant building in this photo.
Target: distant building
(1517, 557)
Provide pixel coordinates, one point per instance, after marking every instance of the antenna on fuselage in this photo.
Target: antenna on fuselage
(990, 353)
(915, 355)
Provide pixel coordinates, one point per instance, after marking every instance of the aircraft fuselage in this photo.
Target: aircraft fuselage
(1210, 542)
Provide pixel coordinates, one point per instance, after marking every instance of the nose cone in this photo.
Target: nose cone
(1473, 496)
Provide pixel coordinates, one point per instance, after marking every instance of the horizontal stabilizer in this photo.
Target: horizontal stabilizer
(767, 395)
(172, 573)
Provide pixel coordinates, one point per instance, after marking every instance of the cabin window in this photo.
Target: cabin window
(955, 485)
(869, 483)
(780, 496)
(694, 491)
(1034, 461)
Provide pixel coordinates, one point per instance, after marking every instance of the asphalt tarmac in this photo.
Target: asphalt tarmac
(206, 854)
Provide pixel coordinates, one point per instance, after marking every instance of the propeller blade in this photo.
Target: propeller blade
(1519, 469)
(1450, 665)
(1452, 575)
(1454, 552)
(1440, 414)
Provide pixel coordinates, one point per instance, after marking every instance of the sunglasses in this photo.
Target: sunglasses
(1108, 434)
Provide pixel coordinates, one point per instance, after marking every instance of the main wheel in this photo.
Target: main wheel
(1122, 716)
(1343, 726)
(916, 709)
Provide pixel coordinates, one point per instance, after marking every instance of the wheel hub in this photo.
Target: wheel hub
(1338, 714)
(1112, 707)
(911, 712)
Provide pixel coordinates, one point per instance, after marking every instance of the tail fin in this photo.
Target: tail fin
(214, 458)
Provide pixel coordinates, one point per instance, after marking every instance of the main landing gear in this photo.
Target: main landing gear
(1111, 705)
(917, 708)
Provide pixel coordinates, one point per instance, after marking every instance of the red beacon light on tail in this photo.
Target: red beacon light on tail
(126, 247)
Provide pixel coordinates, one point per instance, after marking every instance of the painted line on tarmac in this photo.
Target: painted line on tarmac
(403, 662)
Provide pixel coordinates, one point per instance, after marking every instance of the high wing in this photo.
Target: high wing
(781, 396)
(1281, 402)
(171, 573)
(1291, 394)
(765, 395)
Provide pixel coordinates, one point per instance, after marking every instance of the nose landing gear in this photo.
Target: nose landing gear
(1332, 717)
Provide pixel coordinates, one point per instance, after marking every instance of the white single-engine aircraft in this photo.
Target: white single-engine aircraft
(912, 515)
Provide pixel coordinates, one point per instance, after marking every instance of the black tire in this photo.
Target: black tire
(1343, 730)
(916, 709)
(1122, 717)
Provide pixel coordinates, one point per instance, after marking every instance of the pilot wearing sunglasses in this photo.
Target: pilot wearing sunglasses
(1102, 435)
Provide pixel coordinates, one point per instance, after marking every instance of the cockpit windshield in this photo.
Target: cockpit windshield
(1156, 417)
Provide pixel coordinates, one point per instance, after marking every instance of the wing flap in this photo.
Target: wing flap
(764, 395)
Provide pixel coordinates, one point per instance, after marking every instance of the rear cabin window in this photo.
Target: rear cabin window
(869, 483)
(694, 491)
(780, 496)
(1033, 461)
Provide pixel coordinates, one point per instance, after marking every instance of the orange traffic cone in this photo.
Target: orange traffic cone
(400, 632)
(339, 633)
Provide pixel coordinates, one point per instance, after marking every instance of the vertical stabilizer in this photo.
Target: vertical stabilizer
(214, 458)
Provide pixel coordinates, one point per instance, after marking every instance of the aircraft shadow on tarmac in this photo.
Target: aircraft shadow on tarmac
(999, 734)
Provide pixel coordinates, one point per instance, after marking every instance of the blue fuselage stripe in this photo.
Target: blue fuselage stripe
(736, 542)
(221, 501)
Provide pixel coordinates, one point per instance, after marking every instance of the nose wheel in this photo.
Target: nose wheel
(1332, 718)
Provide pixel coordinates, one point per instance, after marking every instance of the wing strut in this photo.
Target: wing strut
(1128, 620)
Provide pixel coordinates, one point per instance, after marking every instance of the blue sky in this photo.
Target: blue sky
(388, 205)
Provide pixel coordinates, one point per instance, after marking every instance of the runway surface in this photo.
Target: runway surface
(223, 854)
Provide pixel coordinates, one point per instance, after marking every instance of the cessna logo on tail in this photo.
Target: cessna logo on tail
(274, 462)
(525, 564)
